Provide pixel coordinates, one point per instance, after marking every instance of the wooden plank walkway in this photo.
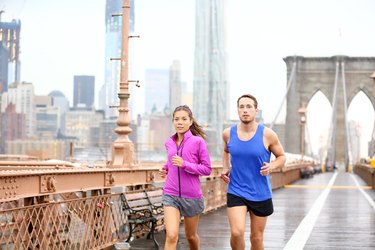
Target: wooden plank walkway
(328, 211)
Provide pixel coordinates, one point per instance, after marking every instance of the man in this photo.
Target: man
(247, 149)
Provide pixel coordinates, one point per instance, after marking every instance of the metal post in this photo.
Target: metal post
(1, 12)
(70, 151)
(123, 148)
(302, 113)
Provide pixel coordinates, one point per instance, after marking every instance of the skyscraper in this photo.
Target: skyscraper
(157, 91)
(3, 69)
(175, 85)
(211, 91)
(9, 49)
(113, 37)
(61, 102)
(84, 89)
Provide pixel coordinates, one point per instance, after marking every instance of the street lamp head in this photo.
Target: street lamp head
(302, 112)
(373, 80)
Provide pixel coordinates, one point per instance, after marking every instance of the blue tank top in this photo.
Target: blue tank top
(247, 158)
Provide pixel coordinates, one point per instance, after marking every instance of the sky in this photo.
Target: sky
(60, 39)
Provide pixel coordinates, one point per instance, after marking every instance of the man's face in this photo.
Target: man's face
(246, 110)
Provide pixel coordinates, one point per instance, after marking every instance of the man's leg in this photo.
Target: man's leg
(257, 226)
(237, 221)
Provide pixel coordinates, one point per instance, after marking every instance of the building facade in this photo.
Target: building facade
(22, 95)
(47, 118)
(12, 126)
(80, 123)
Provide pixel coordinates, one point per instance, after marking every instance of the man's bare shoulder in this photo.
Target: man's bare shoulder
(226, 133)
(268, 132)
(226, 130)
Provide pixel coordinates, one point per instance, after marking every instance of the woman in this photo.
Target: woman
(188, 159)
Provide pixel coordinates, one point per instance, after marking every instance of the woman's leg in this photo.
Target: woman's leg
(172, 225)
(191, 231)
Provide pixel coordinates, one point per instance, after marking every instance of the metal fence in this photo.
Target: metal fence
(79, 220)
(83, 223)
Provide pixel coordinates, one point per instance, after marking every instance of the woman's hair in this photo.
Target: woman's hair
(195, 128)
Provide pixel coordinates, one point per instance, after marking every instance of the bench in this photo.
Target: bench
(144, 211)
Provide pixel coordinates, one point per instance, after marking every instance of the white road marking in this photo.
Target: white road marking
(372, 203)
(303, 231)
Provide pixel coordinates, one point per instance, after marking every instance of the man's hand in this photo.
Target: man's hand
(225, 175)
(266, 169)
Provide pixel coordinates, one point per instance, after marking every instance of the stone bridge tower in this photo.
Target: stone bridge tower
(312, 74)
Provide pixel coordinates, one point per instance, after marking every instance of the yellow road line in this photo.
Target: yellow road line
(337, 187)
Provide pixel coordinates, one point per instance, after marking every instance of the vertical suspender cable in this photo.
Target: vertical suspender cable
(348, 141)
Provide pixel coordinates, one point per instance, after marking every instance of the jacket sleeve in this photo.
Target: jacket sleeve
(203, 167)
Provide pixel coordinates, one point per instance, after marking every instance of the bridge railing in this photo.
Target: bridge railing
(366, 172)
(62, 206)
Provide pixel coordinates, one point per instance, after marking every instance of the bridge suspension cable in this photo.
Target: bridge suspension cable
(290, 82)
(330, 153)
(308, 140)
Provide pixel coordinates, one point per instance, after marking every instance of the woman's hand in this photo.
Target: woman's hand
(177, 161)
(163, 172)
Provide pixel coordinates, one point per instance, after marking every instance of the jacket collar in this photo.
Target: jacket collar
(187, 135)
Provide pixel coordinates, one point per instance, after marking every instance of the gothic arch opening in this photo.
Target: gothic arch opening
(318, 119)
(361, 116)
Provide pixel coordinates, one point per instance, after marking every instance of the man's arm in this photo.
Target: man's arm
(226, 156)
(274, 146)
(276, 149)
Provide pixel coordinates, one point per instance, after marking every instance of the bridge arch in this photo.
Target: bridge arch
(339, 78)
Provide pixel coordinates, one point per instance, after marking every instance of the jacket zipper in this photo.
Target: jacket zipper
(178, 168)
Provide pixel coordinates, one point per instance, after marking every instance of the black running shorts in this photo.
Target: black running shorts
(259, 208)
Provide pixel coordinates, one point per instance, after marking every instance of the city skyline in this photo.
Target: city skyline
(259, 35)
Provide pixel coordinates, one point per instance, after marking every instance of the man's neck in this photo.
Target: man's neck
(248, 127)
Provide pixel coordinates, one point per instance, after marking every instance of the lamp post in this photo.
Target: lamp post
(123, 147)
(302, 120)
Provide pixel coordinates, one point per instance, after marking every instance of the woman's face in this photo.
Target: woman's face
(181, 121)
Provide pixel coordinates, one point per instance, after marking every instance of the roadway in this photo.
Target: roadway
(334, 210)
